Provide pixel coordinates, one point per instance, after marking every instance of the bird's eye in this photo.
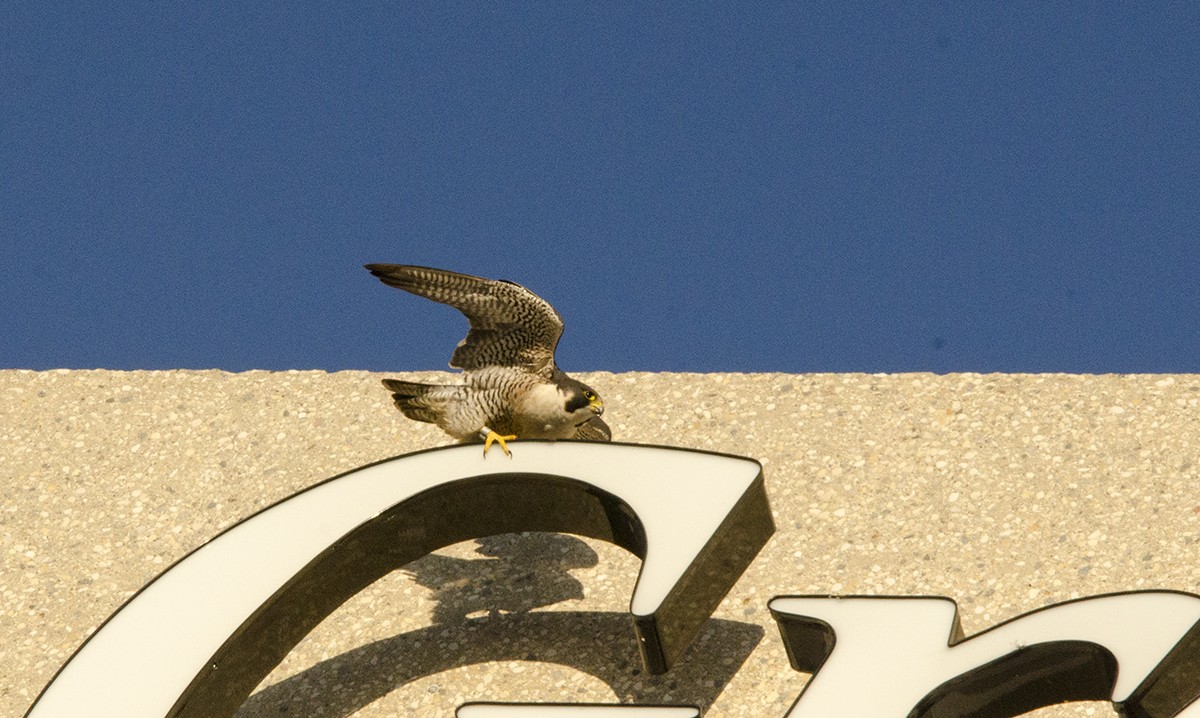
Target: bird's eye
(589, 395)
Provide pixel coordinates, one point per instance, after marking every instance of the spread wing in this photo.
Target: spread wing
(510, 325)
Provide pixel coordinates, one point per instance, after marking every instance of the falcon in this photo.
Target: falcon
(510, 385)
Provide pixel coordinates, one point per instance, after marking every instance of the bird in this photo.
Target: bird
(511, 386)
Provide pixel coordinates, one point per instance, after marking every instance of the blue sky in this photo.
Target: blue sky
(696, 187)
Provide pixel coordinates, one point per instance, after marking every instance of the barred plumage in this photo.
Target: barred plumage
(511, 385)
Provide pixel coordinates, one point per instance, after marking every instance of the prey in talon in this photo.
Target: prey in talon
(511, 388)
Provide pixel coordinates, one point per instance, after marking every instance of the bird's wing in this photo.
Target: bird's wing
(594, 429)
(510, 325)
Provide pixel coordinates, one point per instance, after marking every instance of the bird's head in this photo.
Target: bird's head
(581, 401)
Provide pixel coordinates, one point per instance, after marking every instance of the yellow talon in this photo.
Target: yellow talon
(497, 438)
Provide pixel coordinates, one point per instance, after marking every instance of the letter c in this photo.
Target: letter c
(196, 640)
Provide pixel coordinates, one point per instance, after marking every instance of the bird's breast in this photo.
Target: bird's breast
(542, 413)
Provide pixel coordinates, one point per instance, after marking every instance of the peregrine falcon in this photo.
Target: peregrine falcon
(511, 386)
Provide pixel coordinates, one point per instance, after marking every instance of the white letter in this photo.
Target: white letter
(894, 657)
(197, 639)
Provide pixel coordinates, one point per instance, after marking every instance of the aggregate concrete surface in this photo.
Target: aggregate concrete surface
(1004, 492)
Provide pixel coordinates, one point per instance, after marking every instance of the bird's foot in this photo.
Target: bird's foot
(492, 437)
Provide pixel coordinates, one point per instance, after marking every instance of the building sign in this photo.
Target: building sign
(906, 656)
(196, 640)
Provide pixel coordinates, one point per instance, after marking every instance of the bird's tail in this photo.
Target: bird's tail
(422, 402)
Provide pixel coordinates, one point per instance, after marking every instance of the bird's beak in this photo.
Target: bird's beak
(597, 406)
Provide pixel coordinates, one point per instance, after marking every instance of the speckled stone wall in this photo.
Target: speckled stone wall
(1004, 492)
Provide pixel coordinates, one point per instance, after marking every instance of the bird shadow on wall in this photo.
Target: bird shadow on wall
(520, 573)
(485, 612)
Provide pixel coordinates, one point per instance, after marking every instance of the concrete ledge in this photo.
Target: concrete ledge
(1004, 492)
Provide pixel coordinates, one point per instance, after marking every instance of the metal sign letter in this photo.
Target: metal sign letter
(196, 640)
(905, 657)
